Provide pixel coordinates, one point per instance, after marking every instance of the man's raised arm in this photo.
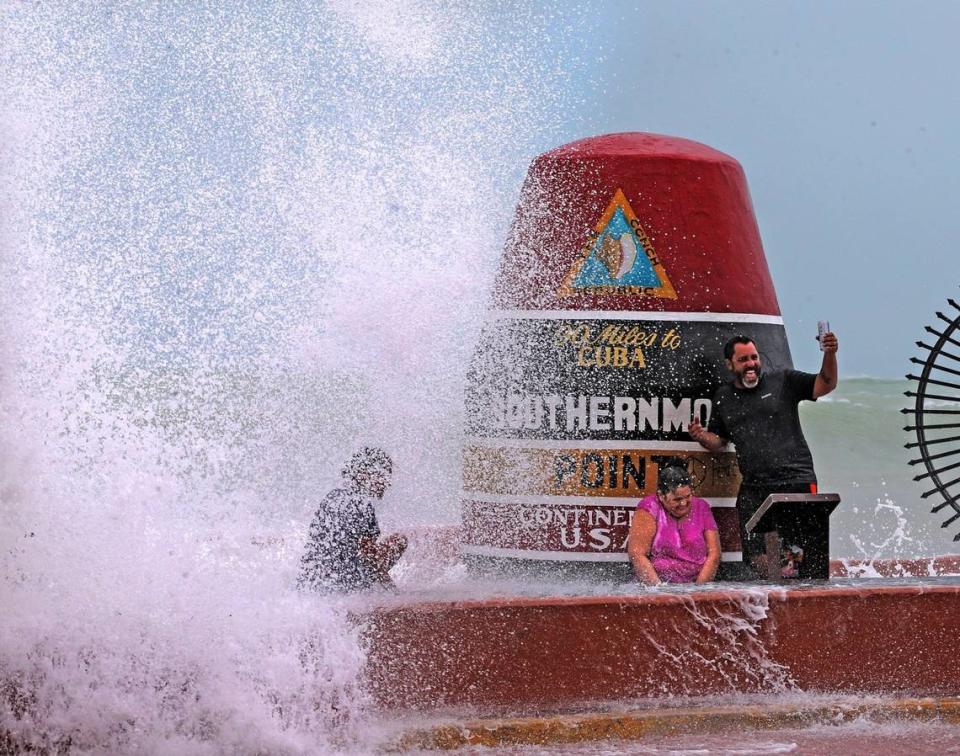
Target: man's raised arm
(709, 441)
(827, 377)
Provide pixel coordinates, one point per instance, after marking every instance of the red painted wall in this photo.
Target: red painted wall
(516, 656)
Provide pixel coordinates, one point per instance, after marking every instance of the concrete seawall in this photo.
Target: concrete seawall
(558, 654)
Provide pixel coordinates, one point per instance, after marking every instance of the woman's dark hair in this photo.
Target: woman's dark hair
(671, 478)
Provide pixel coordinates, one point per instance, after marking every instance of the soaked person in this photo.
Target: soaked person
(344, 550)
(673, 536)
(758, 411)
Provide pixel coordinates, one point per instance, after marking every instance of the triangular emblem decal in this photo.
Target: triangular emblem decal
(618, 259)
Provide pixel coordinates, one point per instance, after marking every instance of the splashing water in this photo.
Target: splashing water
(896, 540)
(236, 244)
(728, 643)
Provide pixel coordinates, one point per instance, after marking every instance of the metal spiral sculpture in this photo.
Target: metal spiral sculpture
(938, 442)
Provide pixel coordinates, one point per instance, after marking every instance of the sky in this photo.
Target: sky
(844, 117)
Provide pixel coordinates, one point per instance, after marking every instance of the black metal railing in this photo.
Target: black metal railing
(936, 439)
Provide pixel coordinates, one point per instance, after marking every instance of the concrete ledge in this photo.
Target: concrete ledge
(660, 722)
(521, 655)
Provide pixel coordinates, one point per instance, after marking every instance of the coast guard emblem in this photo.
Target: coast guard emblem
(618, 258)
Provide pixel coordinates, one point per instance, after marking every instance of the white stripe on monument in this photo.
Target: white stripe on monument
(567, 556)
(573, 501)
(585, 443)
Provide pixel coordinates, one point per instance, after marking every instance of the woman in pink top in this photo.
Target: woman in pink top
(673, 536)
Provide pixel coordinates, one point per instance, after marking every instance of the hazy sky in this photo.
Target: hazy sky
(844, 117)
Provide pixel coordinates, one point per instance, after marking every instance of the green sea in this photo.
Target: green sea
(857, 438)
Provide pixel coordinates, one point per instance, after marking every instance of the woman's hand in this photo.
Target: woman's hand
(642, 530)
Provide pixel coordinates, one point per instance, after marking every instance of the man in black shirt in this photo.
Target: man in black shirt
(758, 411)
(344, 551)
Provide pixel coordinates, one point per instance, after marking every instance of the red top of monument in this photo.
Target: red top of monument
(634, 143)
(635, 222)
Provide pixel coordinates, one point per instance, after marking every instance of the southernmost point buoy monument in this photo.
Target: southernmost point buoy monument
(632, 259)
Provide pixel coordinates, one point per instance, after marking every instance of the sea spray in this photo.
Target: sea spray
(132, 622)
(237, 243)
(201, 684)
(897, 540)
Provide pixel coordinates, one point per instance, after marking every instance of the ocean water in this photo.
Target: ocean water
(857, 439)
(236, 244)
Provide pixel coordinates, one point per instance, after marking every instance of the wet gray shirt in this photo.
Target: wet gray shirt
(332, 560)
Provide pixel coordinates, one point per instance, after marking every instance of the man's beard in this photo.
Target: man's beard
(752, 381)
